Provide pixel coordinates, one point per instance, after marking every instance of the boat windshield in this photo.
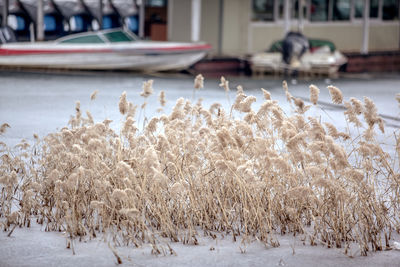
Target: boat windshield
(82, 39)
(114, 36)
(118, 36)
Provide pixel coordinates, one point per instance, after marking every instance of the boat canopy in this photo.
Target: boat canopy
(109, 36)
(314, 43)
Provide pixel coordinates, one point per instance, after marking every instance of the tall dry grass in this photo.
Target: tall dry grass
(244, 172)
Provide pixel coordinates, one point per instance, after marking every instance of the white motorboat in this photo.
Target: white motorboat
(320, 61)
(114, 49)
(317, 57)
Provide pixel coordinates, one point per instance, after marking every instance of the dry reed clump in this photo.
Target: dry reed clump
(247, 172)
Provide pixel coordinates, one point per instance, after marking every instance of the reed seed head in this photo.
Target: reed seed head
(94, 95)
(199, 82)
(147, 89)
(314, 94)
(224, 84)
(123, 104)
(336, 94)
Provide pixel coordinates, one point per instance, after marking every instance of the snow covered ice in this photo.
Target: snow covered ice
(42, 104)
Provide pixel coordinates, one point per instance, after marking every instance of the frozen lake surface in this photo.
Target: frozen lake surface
(42, 103)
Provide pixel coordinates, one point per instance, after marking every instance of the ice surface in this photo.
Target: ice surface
(42, 103)
(34, 247)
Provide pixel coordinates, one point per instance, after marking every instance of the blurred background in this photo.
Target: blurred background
(367, 32)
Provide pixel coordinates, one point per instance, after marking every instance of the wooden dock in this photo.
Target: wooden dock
(385, 61)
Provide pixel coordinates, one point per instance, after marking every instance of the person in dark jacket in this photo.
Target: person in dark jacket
(294, 46)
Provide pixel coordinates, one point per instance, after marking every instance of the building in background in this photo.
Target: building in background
(239, 27)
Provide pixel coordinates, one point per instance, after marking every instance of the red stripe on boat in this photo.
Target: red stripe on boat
(12, 52)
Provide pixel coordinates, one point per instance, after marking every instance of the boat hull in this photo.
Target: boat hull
(137, 57)
(313, 63)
